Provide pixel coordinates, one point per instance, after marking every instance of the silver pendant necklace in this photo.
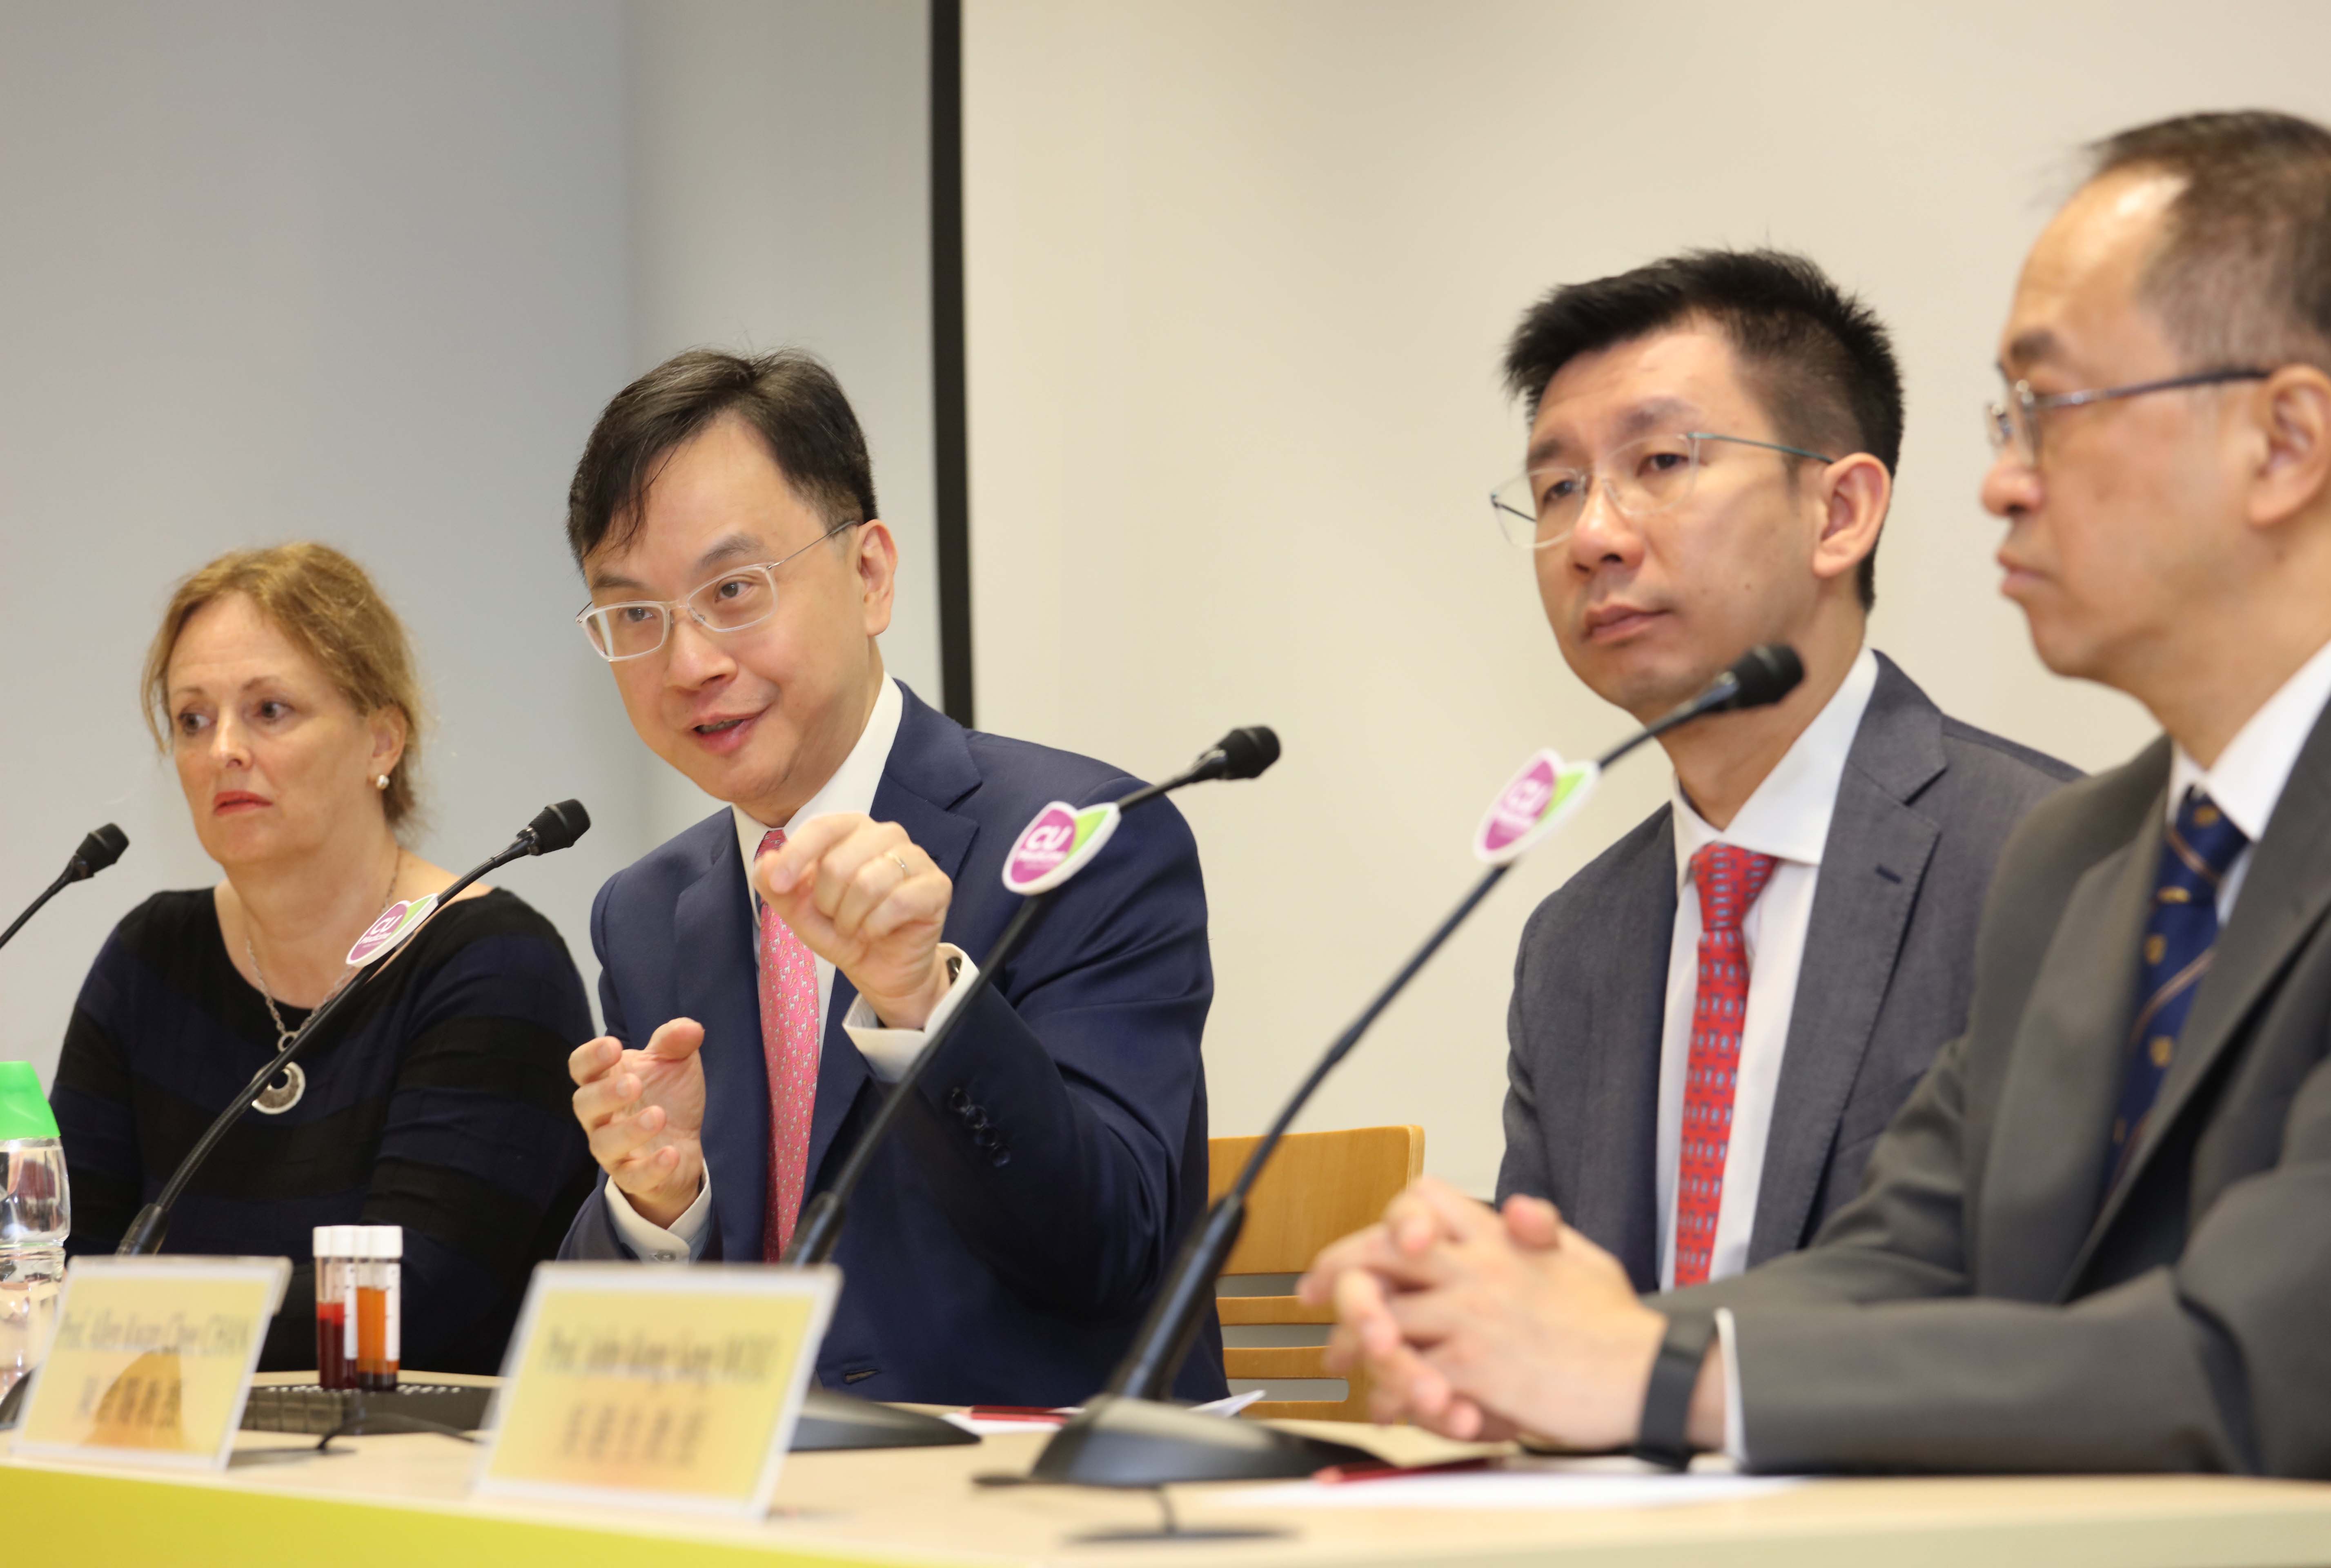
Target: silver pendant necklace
(284, 1091)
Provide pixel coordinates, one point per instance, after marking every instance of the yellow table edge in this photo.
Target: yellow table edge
(62, 1514)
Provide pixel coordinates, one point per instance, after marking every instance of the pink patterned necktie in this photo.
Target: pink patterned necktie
(1729, 881)
(789, 1044)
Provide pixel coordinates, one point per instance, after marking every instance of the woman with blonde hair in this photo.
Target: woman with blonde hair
(282, 686)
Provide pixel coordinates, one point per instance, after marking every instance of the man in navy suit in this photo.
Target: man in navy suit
(766, 973)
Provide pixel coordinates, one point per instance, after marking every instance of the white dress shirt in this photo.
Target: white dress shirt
(1788, 818)
(887, 1051)
(2250, 772)
(2245, 784)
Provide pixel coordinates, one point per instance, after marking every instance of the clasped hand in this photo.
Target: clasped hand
(1482, 1324)
(860, 896)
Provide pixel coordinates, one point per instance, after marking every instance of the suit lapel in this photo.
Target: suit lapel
(717, 986)
(929, 769)
(1612, 1180)
(2283, 897)
(2049, 1145)
(1875, 858)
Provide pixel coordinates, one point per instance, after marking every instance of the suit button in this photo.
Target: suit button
(1000, 1158)
(957, 1099)
(988, 1138)
(975, 1118)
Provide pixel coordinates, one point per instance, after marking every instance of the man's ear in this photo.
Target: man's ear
(874, 555)
(2291, 437)
(1856, 490)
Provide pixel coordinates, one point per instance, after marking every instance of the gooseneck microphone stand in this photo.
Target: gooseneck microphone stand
(831, 1420)
(96, 851)
(1127, 1437)
(553, 828)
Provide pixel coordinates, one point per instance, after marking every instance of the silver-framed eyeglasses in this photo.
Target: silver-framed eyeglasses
(739, 597)
(2013, 422)
(1539, 507)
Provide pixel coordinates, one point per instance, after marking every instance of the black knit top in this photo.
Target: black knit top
(439, 1101)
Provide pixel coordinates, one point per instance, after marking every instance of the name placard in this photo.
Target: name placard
(661, 1388)
(152, 1360)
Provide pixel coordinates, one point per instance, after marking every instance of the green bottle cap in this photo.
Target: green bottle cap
(24, 1112)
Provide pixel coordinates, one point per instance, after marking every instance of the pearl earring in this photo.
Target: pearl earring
(381, 783)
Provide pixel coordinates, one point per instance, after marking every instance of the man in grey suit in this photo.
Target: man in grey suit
(1679, 507)
(2098, 1237)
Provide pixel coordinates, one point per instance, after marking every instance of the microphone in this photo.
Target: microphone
(554, 828)
(1244, 753)
(97, 851)
(1240, 754)
(1757, 679)
(1124, 1436)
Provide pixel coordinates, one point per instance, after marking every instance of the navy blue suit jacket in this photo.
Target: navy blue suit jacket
(967, 1278)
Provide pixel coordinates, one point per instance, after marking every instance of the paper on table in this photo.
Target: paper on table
(981, 1423)
(1522, 1489)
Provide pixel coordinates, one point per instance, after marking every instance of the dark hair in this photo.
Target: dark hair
(789, 397)
(1816, 358)
(2242, 273)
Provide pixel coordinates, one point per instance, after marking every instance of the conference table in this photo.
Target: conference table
(406, 1500)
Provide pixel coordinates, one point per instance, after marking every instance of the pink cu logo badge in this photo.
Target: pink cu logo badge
(1057, 845)
(1534, 800)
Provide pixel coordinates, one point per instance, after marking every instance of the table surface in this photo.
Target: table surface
(404, 1500)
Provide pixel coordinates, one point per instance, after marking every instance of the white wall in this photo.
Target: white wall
(277, 271)
(1239, 276)
(781, 176)
(271, 269)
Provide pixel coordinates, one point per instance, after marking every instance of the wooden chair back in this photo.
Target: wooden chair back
(1317, 1188)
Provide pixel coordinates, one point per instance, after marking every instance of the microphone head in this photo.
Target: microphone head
(1248, 751)
(556, 826)
(101, 850)
(1765, 675)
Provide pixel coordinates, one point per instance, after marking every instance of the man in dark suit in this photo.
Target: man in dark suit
(1699, 1094)
(767, 972)
(2098, 1236)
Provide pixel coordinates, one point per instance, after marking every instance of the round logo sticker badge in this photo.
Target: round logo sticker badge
(1545, 791)
(396, 922)
(1057, 844)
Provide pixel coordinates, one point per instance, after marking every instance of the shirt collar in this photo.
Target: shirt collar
(1788, 815)
(2256, 764)
(850, 789)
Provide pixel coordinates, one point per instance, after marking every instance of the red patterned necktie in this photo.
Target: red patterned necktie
(789, 1044)
(1729, 881)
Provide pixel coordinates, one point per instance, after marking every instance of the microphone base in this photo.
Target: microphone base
(1116, 1441)
(830, 1422)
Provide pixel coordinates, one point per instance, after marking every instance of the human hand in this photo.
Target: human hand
(860, 896)
(643, 1112)
(1473, 1323)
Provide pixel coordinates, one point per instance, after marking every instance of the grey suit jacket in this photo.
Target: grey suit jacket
(1981, 1306)
(1923, 807)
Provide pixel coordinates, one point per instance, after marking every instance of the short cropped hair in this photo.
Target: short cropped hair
(327, 607)
(788, 397)
(2243, 272)
(1817, 359)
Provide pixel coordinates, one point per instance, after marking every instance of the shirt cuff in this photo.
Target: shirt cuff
(890, 1052)
(684, 1243)
(1736, 1429)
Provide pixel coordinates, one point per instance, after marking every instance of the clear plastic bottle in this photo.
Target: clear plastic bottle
(35, 1216)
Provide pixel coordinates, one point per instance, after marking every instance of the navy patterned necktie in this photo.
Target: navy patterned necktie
(2196, 852)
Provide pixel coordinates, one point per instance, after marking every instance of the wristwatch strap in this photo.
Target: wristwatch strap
(1660, 1437)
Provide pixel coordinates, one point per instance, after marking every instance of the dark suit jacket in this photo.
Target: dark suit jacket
(970, 1274)
(1923, 807)
(1980, 1306)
